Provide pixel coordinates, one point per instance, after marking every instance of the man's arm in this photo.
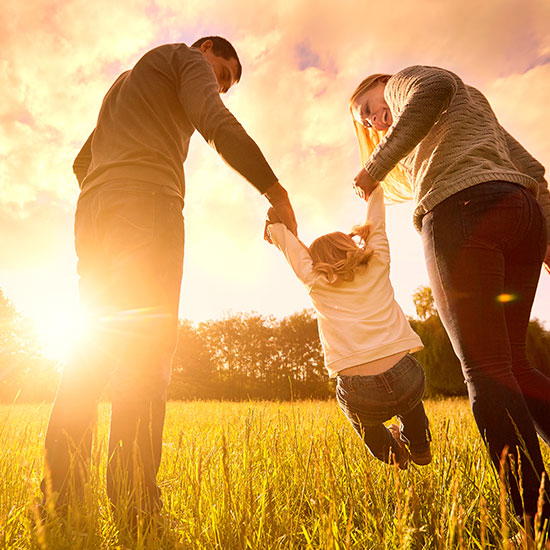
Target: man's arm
(82, 161)
(199, 96)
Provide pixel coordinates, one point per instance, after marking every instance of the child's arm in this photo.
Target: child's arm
(295, 252)
(376, 217)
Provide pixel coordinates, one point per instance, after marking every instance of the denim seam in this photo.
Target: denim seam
(469, 239)
(438, 270)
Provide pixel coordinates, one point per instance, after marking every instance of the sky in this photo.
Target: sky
(301, 61)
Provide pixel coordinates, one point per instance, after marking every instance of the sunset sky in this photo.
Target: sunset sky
(301, 61)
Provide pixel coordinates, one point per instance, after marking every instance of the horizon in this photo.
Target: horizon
(301, 61)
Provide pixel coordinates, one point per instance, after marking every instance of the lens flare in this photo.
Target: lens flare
(506, 298)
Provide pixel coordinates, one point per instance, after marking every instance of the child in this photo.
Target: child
(365, 336)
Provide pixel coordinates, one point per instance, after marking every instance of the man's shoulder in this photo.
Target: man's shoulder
(172, 53)
(171, 59)
(170, 49)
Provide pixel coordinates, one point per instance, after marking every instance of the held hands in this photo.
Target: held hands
(271, 217)
(364, 184)
(281, 210)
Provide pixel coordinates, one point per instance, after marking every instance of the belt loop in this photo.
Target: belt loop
(386, 383)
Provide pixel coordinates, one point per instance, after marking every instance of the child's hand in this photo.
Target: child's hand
(272, 217)
(278, 197)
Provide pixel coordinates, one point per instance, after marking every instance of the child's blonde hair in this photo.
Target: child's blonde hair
(338, 257)
(396, 186)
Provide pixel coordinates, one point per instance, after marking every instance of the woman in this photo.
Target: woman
(483, 208)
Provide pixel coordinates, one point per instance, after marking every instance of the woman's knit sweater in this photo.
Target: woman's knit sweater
(447, 138)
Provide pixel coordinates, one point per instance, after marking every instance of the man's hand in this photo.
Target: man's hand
(278, 197)
(270, 218)
(546, 260)
(364, 184)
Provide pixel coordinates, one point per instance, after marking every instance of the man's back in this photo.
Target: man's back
(148, 116)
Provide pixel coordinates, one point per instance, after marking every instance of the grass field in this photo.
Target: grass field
(270, 476)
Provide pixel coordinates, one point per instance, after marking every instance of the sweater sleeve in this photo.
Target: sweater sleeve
(82, 161)
(295, 252)
(203, 106)
(376, 217)
(421, 94)
(527, 164)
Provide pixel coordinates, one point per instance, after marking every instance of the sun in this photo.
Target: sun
(59, 330)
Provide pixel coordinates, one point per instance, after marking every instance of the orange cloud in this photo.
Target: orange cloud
(301, 61)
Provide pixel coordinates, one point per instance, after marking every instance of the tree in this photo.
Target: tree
(443, 371)
(424, 303)
(538, 347)
(193, 370)
(301, 361)
(24, 372)
(244, 356)
(241, 347)
(442, 367)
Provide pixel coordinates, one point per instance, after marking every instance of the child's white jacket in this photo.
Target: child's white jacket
(359, 321)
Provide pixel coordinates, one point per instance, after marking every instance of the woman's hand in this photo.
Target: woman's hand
(364, 184)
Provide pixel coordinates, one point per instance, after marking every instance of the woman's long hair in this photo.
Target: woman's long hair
(396, 185)
(338, 257)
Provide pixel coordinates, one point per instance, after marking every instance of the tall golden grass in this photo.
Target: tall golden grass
(269, 476)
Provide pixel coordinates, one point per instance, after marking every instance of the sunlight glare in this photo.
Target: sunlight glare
(59, 330)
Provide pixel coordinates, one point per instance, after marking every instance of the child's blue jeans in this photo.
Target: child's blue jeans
(368, 401)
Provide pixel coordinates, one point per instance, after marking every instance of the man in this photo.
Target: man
(129, 236)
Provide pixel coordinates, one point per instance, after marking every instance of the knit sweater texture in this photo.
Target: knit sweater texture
(359, 321)
(447, 138)
(148, 117)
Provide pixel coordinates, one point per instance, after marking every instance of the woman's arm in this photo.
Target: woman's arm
(424, 94)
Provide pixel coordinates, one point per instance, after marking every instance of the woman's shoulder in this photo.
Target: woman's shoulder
(422, 73)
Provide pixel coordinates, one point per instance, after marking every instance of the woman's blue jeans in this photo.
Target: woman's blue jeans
(484, 248)
(368, 401)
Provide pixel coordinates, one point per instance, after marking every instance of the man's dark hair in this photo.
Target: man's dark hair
(222, 48)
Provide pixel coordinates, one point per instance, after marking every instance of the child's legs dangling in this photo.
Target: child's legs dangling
(415, 429)
(369, 401)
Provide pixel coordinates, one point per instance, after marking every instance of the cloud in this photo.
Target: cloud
(35, 233)
(302, 59)
(520, 102)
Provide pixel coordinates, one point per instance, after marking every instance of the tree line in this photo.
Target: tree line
(246, 356)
